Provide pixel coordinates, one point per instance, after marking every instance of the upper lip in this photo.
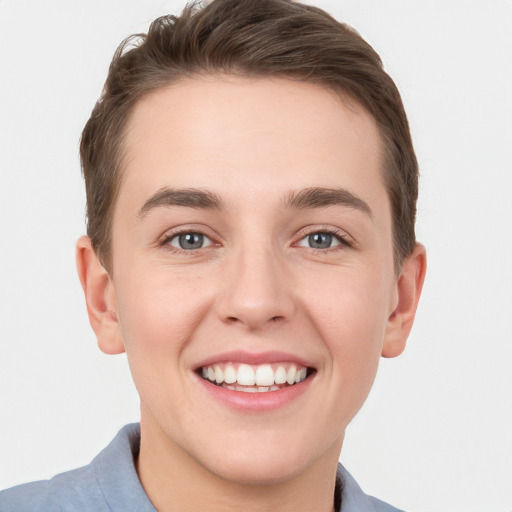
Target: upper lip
(253, 358)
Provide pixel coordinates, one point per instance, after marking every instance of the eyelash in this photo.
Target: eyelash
(339, 235)
(165, 241)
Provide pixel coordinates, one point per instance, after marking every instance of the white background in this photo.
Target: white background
(436, 432)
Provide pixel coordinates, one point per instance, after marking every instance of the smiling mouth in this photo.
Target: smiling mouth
(255, 378)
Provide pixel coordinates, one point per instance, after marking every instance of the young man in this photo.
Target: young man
(251, 189)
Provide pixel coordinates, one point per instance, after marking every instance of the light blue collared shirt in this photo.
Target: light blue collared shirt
(110, 484)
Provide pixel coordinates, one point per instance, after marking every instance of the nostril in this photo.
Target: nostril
(234, 319)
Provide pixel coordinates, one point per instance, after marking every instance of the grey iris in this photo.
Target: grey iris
(320, 240)
(191, 241)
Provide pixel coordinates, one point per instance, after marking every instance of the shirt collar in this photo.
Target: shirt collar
(115, 471)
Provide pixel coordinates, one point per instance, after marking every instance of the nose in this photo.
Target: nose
(256, 290)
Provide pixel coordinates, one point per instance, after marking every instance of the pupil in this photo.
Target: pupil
(191, 241)
(320, 240)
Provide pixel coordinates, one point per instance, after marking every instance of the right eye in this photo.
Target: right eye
(189, 241)
(320, 241)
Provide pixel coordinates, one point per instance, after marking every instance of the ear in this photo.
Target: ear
(99, 297)
(408, 291)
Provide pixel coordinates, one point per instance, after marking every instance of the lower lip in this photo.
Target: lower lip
(259, 401)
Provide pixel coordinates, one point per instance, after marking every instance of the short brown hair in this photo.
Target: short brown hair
(264, 38)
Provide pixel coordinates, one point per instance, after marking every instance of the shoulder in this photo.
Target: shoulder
(353, 499)
(109, 483)
(70, 491)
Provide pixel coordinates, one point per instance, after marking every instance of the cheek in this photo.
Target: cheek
(158, 314)
(349, 311)
(348, 304)
(159, 310)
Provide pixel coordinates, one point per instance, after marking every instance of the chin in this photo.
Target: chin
(263, 459)
(260, 471)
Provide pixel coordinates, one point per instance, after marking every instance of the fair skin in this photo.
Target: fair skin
(252, 228)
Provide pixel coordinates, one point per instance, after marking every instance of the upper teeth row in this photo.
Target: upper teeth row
(246, 375)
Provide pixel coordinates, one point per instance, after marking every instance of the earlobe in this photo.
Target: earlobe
(99, 297)
(409, 286)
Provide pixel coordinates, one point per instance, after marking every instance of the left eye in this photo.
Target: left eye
(190, 241)
(320, 240)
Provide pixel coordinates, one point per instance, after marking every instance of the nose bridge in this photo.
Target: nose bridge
(255, 289)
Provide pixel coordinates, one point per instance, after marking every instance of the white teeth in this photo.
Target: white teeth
(252, 379)
(245, 375)
(301, 375)
(229, 374)
(280, 376)
(265, 375)
(290, 376)
(219, 374)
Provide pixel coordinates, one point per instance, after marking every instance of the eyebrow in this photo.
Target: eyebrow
(314, 197)
(189, 197)
(319, 197)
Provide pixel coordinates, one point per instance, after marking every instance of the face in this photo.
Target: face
(253, 276)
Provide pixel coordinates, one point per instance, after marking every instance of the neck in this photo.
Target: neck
(174, 480)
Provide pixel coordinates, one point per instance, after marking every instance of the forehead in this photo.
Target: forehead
(256, 133)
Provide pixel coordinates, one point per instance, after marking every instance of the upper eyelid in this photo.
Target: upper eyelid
(191, 228)
(309, 230)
